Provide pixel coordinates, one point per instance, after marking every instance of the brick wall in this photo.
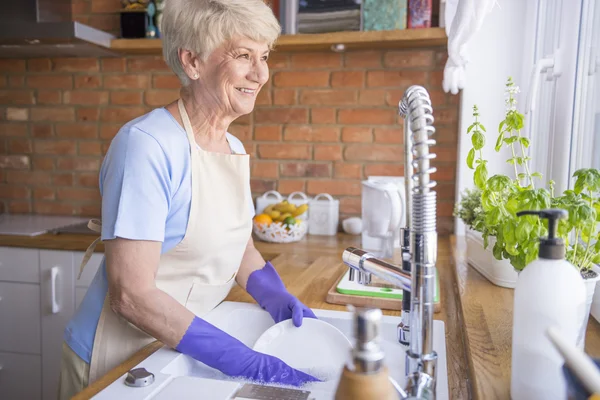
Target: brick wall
(324, 122)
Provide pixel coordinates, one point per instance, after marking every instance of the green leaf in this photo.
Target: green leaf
(511, 139)
(498, 183)
(536, 175)
(499, 141)
(520, 160)
(497, 251)
(480, 176)
(524, 141)
(523, 230)
(478, 140)
(522, 175)
(470, 128)
(486, 200)
(501, 126)
(470, 158)
(512, 160)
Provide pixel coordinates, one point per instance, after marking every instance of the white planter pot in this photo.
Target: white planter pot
(499, 272)
(595, 309)
(590, 290)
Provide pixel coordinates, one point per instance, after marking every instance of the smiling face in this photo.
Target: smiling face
(234, 73)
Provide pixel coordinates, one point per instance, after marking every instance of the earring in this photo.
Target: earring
(195, 76)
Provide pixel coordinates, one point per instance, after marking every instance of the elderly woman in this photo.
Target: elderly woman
(177, 210)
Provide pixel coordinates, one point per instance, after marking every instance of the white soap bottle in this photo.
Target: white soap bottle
(550, 292)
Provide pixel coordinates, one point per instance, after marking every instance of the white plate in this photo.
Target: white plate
(317, 347)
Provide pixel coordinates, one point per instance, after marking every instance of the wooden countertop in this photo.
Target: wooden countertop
(309, 268)
(487, 312)
(49, 241)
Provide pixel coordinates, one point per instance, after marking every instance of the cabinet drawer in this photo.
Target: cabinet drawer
(20, 318)
(19, 265)
(90, 269)
(20, 376)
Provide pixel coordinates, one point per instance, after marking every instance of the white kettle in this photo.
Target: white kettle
(382, 212)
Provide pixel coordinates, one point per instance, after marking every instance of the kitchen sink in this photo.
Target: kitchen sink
(182, 377)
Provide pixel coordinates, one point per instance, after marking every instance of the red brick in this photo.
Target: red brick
(79, 164)
(14, 161)
(284, 97)
(301, 79)
(3, 84)
(435, 79)
(445, 190)
(371, 97)
(305, 170)
(446, 116)
(88, 114)
(77, 194)
(51, 81)
(395, 78)
(284, 151)
(126, 98)
(166, 82)
(267, 132)
(88, 82)
(279, 60)
(445, 209)
(243, 120)
(348, 171)
(90, 210)
(242, 132)
(80, 7)
(265, 169)
(328, 152)
(14, 192)
(105, 6)
(16, 81)
(28, 177)
(160, 97)
(261, 185)
(61, 147)
(445, 154)
(42, 131)
(281, 116)
(39, 65)
(348, 79)
(49, 97)
(147, 64)
(108, 23)
(390, 135)
(310, 133)
(316, 60)
(20, 146)
(374, 153)
(62, 179)
(17, 97)
(328, 97)
(393, 97)
(43, 193)
(446, 134)
(438, 98)
(85, 97)
(333, 187)
(363, 59)
(52, 208)
(263, 98)
(108, 131)
(17, 114)
(126, 81)
(367, 116)
(322, 115)
(114, 64)
(288, 186)
(396, 169)
(12, 65)
(52, 114)
(88, 179)
(350, 205)
(77, 131)
(76, 64)
(121, 114)
(408, 58)
(440, 58)
(19, 207)
(43, 163)
(354, 134)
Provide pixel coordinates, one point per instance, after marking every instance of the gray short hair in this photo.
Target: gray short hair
(203, 25)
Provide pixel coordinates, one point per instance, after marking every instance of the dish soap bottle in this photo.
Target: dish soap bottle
(550, 293)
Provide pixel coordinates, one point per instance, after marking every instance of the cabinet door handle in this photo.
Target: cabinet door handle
(53, 277)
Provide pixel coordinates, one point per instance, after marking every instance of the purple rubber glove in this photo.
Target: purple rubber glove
(266, 287)
(217, 349)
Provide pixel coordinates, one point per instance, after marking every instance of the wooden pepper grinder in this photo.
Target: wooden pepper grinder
(367, 376)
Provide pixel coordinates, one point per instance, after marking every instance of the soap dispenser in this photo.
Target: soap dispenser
(549, 293)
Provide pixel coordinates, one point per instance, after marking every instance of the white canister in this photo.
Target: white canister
(268, 198)
(324, 215)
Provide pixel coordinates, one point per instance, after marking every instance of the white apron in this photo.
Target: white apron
(200, 271)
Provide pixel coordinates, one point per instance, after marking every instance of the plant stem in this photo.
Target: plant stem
(575, 246)
(526, 162)
(512, 148)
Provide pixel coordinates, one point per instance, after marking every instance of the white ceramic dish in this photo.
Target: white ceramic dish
(299, 347)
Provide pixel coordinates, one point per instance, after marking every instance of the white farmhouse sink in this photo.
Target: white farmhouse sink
(178, 376)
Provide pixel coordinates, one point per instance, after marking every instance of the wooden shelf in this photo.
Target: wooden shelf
(323, 41)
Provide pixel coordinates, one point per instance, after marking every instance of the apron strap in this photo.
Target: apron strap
(96, 226)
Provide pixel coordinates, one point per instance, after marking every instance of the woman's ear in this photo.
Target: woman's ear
(191, 63)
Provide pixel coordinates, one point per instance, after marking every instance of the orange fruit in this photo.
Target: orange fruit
(263, 219)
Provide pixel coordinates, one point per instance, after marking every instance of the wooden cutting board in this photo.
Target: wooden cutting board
(334, 297)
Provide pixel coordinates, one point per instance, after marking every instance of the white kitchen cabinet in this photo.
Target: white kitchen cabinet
(39, 293)
(20, 376)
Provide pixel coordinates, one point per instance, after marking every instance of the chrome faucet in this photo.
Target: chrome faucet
(419, 248)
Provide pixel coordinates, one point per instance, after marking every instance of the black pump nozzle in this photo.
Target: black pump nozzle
(552, 248)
